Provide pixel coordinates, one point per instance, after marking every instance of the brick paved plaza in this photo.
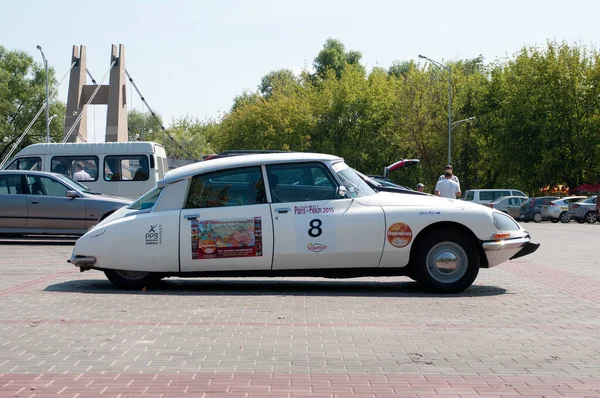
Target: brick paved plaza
(529, 327)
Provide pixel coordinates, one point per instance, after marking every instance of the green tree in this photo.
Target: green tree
(334, 56)
(22, 94)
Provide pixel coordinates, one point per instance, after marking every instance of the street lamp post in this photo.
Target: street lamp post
(47, 95)
(443, 67)
(467, 120)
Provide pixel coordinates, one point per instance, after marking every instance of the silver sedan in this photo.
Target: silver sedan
(40, 203)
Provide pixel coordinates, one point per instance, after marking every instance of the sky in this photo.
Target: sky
(192, 58)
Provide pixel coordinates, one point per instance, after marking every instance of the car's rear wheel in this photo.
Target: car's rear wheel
(537, 217)
(564, 217)
(131, 279)
(447, 261)
(591, 217)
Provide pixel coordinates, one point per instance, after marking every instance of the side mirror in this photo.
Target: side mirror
(71, 194)
(342, 192)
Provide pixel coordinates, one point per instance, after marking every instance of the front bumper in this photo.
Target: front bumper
(500, 251)
(79, 261)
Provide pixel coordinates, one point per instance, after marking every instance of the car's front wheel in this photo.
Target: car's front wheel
(537, 217)
(447, 261)
(131, 279)
(564, 217)
(591, 217)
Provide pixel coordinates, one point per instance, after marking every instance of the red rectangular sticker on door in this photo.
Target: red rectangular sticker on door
(226, 238)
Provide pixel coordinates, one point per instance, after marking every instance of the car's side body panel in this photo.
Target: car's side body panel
(338, 233)
(226, 238)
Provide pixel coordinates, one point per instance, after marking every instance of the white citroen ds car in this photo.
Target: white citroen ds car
(295, 214)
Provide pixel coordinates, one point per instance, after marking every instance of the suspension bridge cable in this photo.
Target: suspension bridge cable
(22, 136)
(65, 139)
(162, 127)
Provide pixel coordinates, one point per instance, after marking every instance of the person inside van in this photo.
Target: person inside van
(80, 174)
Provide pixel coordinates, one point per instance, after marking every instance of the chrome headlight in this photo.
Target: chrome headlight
(505, 222)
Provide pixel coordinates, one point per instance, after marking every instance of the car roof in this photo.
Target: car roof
(231, 162)
(32, 172)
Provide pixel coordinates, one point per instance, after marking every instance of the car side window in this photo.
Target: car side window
(470, 195)
(11, 185)
(46, 186)
(301, 182)
(31, 163)
(236, 187)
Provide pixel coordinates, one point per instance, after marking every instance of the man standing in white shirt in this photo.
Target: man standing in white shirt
(454, 178)
(447, 188)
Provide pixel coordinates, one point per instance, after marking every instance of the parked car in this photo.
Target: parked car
(558, 210)
(263, 215)
(485, 196)
(508, 204)
(584, 210)
(41, 203)
(531, 209)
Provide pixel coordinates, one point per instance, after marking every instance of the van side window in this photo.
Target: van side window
(66, 165)
(470, 195)
(499, 194)
(126, 168)
(161, 174)
(486, 195)
(32, 163)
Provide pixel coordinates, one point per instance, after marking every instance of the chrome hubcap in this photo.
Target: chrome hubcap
(132, 275)
(447, 262)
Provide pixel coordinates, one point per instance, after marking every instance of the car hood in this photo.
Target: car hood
(399, 199)
(109, 198)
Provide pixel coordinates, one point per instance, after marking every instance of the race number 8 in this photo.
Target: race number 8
(315, 228)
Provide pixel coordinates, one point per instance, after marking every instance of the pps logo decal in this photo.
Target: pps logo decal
(154, 235)
(399, 234)
(316, 247)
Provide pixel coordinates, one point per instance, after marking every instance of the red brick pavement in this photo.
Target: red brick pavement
(291, 385)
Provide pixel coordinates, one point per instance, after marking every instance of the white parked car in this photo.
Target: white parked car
(295, 214)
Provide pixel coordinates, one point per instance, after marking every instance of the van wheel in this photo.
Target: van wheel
(447, 261)
(132, 280)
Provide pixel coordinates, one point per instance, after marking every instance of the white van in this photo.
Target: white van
(485, 196)
(127, 169)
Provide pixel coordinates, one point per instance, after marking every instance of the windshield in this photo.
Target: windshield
(146, 201)
(77, 184)
(355, 185)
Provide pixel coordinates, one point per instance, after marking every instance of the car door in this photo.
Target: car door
(13, 208)
(49, 208)
(316, 228)
(514, 207)
(226, 224)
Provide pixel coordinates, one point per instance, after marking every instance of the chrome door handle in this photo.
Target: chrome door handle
(283, 210)
(191, 216)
